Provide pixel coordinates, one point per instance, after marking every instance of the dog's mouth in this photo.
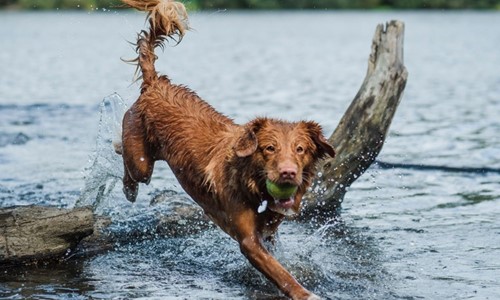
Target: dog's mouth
(285, 203)
(280, 196)
(282, 206)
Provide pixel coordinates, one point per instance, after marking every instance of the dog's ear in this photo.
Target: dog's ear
(247, 143)
(316, 134)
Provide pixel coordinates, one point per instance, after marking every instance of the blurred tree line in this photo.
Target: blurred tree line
(60, 4)
(265, 4)
(349, 4)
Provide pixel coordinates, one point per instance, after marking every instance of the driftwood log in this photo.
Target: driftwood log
(28, 233)
(32, 233)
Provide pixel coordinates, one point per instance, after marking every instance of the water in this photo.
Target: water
(404, 233)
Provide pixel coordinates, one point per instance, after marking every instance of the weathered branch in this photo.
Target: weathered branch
(362, 130)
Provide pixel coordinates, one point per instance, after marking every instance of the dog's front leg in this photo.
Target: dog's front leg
(251, 246)
(135, 149)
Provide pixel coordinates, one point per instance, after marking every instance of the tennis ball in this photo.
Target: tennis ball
(280, 191)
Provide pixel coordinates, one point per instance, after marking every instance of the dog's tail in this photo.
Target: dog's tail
(167, 19)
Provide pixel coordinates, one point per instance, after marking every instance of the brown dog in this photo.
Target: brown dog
(221, 165)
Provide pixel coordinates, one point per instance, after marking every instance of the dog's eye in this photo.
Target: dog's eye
(270, 149)
(300, 150)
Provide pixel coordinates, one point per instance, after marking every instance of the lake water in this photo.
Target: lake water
(405, 233)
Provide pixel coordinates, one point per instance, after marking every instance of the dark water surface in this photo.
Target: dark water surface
(406, 233)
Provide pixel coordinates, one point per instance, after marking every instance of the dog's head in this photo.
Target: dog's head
(285, 154)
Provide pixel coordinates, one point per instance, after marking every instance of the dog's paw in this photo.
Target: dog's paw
(117, 145)
(306, 296)
(131, 192)
(314, 297)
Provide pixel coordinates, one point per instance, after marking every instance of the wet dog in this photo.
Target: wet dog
(223, 166)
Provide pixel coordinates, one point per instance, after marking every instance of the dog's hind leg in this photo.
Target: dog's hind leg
(137, 156)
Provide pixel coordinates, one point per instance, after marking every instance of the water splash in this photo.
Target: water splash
(106, 168)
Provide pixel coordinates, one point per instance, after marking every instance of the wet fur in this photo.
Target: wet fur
(223, 166)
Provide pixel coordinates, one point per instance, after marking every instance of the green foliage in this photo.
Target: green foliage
(62, 4)
(266, 4)
(347, 4)
(444, 4)
(286, 4)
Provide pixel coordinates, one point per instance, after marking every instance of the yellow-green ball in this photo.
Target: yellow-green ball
(280, 191)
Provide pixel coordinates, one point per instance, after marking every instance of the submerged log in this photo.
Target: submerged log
(33, 233)
(361, 133)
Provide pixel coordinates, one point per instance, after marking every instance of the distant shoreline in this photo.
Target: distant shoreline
(201, 5)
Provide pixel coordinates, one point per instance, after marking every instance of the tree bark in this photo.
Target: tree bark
(361, 133)
(32, 233)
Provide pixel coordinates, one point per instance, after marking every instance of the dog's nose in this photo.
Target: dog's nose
(288, 172)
